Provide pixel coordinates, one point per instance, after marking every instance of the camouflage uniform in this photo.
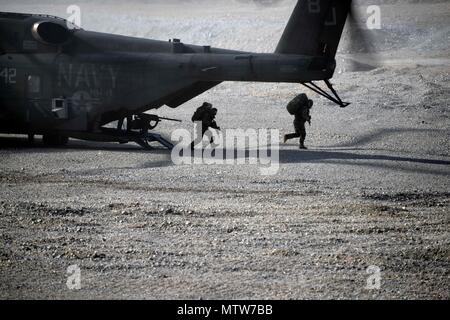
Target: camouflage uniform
(301, 117)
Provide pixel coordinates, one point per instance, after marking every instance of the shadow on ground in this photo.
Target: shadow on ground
(293, 156)
(20, 143)
(360, 156)
(380, 134)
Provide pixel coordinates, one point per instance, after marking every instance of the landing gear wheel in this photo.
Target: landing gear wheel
(31, 138)
(55, 140)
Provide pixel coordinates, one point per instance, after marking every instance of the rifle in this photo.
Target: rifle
(155, 118)
(152, 120)
(168, 119)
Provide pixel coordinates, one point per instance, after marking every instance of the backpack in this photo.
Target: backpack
(200, 112)
(297, 103)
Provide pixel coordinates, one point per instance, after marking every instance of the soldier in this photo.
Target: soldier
(300, 107)
(205, 114)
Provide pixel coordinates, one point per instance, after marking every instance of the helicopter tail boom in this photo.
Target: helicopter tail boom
(315, 28)
(261, 68)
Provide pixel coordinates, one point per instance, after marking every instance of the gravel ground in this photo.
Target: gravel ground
(372, 190)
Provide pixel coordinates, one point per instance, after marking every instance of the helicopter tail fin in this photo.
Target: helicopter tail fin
(315, 28)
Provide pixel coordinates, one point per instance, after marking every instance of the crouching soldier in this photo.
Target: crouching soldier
(300, 107)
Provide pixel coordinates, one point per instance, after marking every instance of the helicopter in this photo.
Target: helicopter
(61, 81)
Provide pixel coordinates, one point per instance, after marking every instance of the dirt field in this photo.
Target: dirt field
(372, 190)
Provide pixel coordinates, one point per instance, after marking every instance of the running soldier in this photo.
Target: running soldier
(300, 107)
(206, 115)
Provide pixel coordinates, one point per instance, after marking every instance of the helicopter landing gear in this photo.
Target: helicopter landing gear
(138, 129)
(333, 96)
(145, 139)
(55, 140)
(31, 138)
(142, 139)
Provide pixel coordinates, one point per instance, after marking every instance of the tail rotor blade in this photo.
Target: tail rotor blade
(361, 44)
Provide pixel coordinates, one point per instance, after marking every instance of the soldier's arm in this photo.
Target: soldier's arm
(214, 125)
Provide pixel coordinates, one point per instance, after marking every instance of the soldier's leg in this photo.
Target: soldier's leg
(211, 139)
(31, 138)
(199, 138)
(208, 134)
(291, 136)
(302, 131)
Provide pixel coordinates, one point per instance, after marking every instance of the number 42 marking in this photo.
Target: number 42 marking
(9, 75)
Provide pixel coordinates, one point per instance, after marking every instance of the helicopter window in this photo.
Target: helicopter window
(34, 84)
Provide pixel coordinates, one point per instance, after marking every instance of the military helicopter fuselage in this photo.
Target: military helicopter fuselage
(58, 79)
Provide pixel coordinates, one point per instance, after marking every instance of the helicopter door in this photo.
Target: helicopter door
(34, 90)
(39, 106)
